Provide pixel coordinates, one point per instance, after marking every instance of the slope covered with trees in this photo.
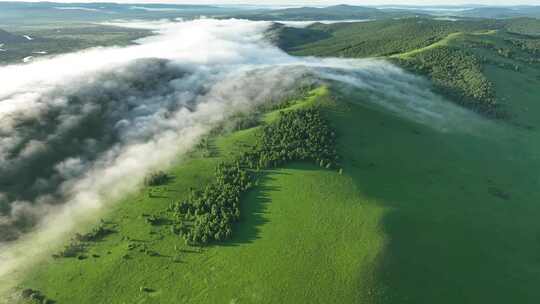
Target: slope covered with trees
(378, 38)
(456, 73)
(524, 26)
(453, 54)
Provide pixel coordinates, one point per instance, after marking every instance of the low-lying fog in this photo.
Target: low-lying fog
(80, 130)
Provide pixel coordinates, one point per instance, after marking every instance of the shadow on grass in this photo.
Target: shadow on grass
(461, 214)
(253, 208)
(158, 221)
(254, 204)
(156, 195)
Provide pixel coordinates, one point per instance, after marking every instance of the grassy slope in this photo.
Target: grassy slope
(417, 217)
(452, 238)
(291, 244)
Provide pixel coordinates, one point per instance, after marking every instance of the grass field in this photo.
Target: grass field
(463, 212)
(418, 216)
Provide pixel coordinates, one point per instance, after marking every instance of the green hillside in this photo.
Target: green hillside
(379, 38)
(417, 216)
(287, 218)
(400, 212)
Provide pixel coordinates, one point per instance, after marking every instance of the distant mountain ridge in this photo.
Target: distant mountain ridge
(43, 12)
(344, 11)
(502, 12)
(336, 12)
(99, 5)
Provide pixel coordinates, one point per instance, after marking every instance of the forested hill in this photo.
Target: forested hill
(524, 26)
(377, 38)
(337, 12)
(453, 55)
(502, 12)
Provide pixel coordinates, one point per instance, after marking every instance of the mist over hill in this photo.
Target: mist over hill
(164, 153)
(81, 138)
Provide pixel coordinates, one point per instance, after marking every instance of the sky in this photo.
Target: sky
(322, 2)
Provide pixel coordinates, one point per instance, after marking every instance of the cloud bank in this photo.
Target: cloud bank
(79, 131)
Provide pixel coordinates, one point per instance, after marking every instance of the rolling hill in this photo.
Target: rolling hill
(380, 231)
(329, 196)
(454, 55)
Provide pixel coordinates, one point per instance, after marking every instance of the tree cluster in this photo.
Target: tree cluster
(78, 244)
(296, 135)
(156, 179)
(531, 46)
(208, 214)
(35, 296)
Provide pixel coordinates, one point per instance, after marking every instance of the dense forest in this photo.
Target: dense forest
(456, 73)
(377, 38)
